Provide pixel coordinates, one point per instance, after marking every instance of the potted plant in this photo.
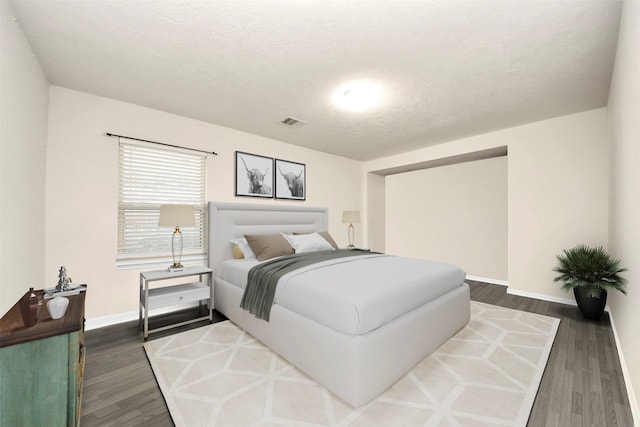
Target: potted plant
(590, 272)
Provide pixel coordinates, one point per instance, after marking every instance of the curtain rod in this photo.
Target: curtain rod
(161, 143)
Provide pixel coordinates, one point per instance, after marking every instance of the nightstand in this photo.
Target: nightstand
(168, 296)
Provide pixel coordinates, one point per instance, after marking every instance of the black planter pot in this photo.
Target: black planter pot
(590, 307)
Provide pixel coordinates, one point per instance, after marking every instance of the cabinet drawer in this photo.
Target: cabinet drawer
(177, 294)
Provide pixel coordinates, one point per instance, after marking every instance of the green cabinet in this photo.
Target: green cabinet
(41, 372)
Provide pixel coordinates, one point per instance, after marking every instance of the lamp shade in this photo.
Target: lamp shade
(177, 216)
(350, 217)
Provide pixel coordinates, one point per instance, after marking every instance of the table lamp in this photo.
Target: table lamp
(350, 217)
(176, 216)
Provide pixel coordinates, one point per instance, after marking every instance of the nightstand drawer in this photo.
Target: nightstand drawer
(177, 294)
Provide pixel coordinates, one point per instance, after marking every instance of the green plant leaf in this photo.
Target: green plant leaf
(591, 268)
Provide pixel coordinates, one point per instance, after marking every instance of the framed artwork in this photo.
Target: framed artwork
(254, 175)
(291, 180)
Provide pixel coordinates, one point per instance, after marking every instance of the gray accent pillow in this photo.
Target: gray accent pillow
(267, 246)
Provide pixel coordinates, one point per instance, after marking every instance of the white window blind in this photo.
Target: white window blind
(150, 177)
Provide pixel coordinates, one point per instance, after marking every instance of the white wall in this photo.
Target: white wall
(23, 131)
(455, 213)
(557, 190)
(624, 220)
(82, 185)
(376, 202)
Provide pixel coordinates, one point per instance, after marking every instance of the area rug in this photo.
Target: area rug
(486, 375)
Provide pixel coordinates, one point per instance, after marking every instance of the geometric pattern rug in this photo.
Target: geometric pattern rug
(488, 374)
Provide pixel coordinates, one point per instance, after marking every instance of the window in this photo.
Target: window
(150, 177)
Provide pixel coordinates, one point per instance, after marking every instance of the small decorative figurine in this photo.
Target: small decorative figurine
(63, 280)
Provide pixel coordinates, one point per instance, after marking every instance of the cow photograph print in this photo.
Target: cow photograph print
(290, 180)
(254, 175)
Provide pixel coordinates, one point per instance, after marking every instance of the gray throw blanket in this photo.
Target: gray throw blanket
(263, 278)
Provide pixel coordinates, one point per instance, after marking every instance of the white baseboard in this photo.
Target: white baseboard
(543, 297)
(635, 410)
(487, 280)
(100, 322)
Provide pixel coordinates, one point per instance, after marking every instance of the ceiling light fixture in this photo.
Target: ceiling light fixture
(358, 96)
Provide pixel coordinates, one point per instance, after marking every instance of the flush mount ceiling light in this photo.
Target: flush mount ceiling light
(358, 96)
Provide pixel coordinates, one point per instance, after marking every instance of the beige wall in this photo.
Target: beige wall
(455, 213)
(624, 221)
(375, 203)
(23, 131)
(82, 185)
(557, 190)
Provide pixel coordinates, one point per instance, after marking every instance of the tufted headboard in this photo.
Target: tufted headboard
(229, 220)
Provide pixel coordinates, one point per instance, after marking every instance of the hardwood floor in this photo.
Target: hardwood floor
(582, 383)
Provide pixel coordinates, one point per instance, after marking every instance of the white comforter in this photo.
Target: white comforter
(358, 294)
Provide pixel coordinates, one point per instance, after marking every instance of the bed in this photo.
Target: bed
(357, 365)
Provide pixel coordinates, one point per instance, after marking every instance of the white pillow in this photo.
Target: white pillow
(307, 242)
(242, 243)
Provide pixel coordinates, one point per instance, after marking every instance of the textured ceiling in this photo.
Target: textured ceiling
(448, 69)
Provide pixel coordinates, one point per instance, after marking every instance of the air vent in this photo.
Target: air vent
(294, 123)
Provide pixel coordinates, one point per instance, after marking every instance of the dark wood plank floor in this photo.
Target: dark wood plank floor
(582, 383)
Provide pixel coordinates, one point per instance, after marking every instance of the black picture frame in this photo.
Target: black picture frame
(254, 175)
(290, 180)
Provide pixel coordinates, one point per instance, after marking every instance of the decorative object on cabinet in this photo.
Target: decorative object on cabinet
(351, 217)
(167, 296)
(254, 175)
(42, 367)
(63, 280)
(290, 180)
(30, 306)
(57, 307)
(176, 216)
(64, 286)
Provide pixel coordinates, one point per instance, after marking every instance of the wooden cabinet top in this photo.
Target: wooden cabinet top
(12, 330)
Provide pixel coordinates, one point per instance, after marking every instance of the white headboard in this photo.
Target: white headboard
(229, 220)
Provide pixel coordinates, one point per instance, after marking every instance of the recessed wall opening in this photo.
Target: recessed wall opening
(451, 209)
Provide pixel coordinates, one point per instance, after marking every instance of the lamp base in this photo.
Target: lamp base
(176, 267)
(350, 231)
